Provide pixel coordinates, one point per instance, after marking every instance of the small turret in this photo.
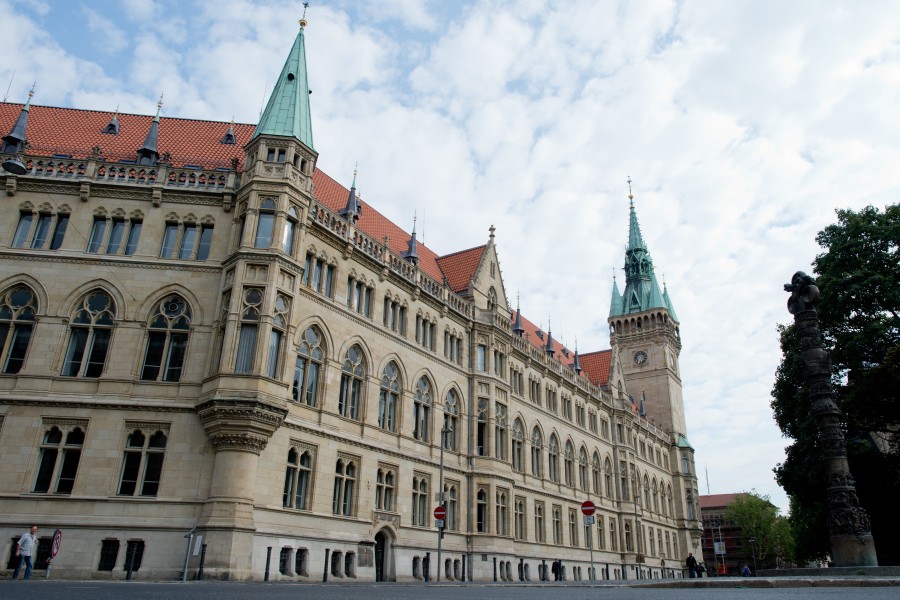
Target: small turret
(353, 209)
(548, 346)
(411, 253)
(517, 327)
(14, 142)
(149, 154)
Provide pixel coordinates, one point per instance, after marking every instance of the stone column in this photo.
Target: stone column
(848, 523)
(239, 430)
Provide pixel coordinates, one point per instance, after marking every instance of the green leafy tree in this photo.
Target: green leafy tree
(858, 275)
(759, 520)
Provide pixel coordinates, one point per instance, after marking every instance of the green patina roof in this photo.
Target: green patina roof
(683, 442)
(668, 300)
(642, 291)
(287, 113)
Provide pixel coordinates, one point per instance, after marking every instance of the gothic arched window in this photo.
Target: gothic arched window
(167, 340)
(90, 335)
(17, 309)
(308, 367)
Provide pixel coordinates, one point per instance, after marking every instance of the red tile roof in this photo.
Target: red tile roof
(333, 195)
(595, 366)
(538, 338)
(53, 130)
(717, 500)
(459, 267)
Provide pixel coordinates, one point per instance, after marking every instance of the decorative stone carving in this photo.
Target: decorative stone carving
(240, 424)
(246, 442)
(846, 517)
(11, 183)
(157, 197)
(84, 191)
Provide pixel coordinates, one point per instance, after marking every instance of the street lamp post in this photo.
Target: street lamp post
(444, 431)
(753, 553)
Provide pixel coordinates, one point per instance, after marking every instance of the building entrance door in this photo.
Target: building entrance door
(380, 543)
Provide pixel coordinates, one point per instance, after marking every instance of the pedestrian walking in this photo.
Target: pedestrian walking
(24, 549)
(691, 563)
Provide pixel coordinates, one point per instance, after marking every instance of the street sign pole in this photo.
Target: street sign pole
(588, 509)
(591, 543)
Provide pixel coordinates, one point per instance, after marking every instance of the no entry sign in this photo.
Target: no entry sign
(440, 513)
(588, 508)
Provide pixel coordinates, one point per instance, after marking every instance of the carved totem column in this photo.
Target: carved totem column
(239, 430)
(848, 523)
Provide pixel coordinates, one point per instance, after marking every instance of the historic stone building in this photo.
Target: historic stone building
(201, 331)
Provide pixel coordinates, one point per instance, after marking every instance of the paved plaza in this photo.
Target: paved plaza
(794, 589)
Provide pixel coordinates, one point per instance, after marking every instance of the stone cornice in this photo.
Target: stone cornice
(53, 256)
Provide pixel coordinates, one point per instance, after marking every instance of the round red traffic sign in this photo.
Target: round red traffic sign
(57, 542)
(588, 508)
(440, 513)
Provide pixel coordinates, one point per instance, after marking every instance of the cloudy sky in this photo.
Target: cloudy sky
(743, 125)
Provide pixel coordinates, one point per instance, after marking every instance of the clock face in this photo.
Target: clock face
(640, 357)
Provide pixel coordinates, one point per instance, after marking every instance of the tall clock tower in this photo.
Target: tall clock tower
(644, 330)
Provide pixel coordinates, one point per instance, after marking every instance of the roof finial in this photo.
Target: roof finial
(31, 91)
(492, 229)
(355, 170)
(414, 221)
(303, 22)
(630, 195)
(614, 273)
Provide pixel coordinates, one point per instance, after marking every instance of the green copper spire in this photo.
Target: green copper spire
(287, 113)
(615, 305)
(642, 290)
(668, 300)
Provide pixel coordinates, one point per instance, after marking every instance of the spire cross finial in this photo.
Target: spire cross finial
(31, 91)
(630, 195)
(159, 104)
(492, 229)
(355, 169)
(303, 21)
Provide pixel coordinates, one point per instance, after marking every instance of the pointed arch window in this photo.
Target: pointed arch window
(265, 224)
(167, 341)
(518, 441)
(52, 469)
(142, 463)
(536, 447)
(451, 496)
(353, 374)
(595, 475)
(90, 335)
(481, 511)
(500, 427)
(250, 311)
(451, 420)
(389, 397)
(608, 479)
(422, 410)
(569, 464)
(419, 501)
(290, 231)
(297, 478)
(583, 470)
(384, 489)
(17, 310)
(553, 469)
(276, 335)
(344, 487)
(308, 368)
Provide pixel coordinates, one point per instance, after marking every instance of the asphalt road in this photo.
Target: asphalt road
(95, 590)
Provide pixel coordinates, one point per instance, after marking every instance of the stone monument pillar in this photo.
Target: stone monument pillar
(848, 523)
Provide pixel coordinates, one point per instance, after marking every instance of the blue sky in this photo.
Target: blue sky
(743, 125)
